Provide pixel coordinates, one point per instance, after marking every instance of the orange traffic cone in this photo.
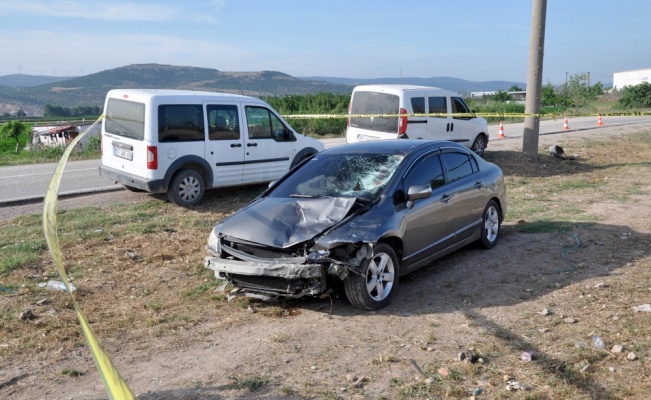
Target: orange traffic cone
(600, 122)
(566, 125)
(500, 132)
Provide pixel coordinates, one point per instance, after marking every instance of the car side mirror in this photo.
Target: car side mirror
(272, 183)
(417, 192)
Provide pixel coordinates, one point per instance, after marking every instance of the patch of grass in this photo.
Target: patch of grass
(71, 372)
(252, 383)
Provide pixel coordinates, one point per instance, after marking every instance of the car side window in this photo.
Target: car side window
(459, 165)
(426, 171)
(437, 105)
(263, 124)
(223, 122)
(180, 123)
(418, 105)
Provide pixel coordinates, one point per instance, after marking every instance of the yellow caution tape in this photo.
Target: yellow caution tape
(113, 382)
(463, 115)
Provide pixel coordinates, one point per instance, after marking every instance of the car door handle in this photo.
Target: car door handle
(236, 145)
(251, 145)
(479, 184)
(445, 198)
(451, 126)
(447, 127)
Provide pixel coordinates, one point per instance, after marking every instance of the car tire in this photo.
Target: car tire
(132, 189)
(479, 145)
(364, 290)
(186, 188)
(490, 225)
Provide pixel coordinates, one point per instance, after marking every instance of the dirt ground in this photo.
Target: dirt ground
(488, 302)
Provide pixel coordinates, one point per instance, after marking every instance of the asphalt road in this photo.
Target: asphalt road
(28, 183)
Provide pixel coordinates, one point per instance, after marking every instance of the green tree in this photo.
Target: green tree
(515, 88)
(638, 96)
(13, 130)
(501, 97)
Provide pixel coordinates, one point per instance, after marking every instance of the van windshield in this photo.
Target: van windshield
(125, 118)
(365, 103)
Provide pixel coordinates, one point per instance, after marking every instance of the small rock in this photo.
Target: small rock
(26, 315)
(526, 356)
(466, 355)
(631, 356)
(611, 369)
(351, 378)
(543, 330)
(570, 320)
(506, 378)
(343, 390)
(545, 312)
(480, 360)
(617, 349)
(443, 371)
(642, 308)
(252, 310)
(313, 368)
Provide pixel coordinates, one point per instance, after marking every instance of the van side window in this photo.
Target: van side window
(459, 106)
(459, 165)
(223, 122)
(180, 123)
(418, 105)
(263, 124)
(437, 105)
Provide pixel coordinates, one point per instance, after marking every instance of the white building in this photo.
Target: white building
(631, 78)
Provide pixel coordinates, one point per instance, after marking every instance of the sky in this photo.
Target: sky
(476, 40)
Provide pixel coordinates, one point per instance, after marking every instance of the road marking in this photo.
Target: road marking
(47, 173)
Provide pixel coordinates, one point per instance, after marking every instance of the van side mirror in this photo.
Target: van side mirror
(417, 192)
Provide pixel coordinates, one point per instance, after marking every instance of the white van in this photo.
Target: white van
(467, 129)
(183, 142)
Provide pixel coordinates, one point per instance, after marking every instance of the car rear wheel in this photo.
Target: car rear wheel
(186, 188)
(479, 145)
(490, 227)
(375, 286)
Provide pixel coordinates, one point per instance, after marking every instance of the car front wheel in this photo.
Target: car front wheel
(186, 188)
(375, 286)
(479, 145)
(490, 227)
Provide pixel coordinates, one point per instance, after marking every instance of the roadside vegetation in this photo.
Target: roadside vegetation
(140, 278)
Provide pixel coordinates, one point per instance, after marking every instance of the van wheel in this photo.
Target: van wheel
(186, 188)
(479, 145)
(378, 281)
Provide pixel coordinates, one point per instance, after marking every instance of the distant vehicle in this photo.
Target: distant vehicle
(183, 142)
(363, 214)
(462, 126)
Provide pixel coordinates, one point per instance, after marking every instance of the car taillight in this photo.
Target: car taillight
(152, 157)
(349, 107)
(402, 123)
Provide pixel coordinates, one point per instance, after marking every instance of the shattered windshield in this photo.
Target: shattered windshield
(341, 175)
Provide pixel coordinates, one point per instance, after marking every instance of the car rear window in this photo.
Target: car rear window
(365, 103)
(125, 118)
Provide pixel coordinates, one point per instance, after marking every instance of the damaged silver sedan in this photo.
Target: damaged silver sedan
(363, 214)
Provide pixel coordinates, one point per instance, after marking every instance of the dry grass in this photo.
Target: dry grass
(139, 269)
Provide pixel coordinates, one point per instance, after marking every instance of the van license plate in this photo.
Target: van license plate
(126, 154)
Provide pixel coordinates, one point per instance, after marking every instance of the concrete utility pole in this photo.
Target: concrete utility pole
(534, 78)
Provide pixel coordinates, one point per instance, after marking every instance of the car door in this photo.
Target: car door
(427, 225)
(225, 145)
(269, 145)
(467, 189)
(462, 127)
(417, 125)
(438, 127)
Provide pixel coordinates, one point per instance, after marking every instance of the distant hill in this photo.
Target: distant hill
(443, 82)
(90, 90)
(24, 80)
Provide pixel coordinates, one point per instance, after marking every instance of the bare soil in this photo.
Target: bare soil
(488, 302)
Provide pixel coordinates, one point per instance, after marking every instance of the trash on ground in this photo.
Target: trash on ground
(558, 152)
(57, 285)
(526, 356)
(515, 385)
(597, 341)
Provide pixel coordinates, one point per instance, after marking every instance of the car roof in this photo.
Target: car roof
(395, 146)
(171, 94)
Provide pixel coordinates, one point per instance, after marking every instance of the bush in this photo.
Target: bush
(638, 96)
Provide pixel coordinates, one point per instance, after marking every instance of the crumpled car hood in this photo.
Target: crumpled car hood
(281, 222)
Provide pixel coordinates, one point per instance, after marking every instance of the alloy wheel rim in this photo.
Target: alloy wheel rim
(380, 277)
(491, 226)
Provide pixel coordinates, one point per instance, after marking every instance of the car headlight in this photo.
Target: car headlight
(319, 255)
(213, 242)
